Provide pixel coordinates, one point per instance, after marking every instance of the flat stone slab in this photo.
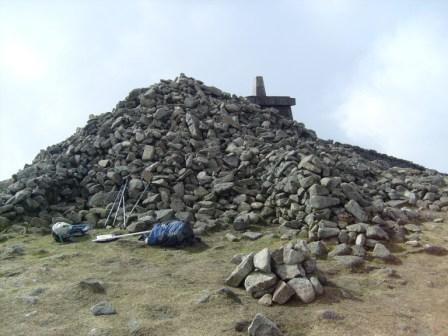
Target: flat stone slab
(252, 235)
(103, 308)
(241, 271)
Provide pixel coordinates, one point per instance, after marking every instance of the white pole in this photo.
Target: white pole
(124, 213)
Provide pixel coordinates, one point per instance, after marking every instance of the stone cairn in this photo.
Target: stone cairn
(280, 275)
(193, 152)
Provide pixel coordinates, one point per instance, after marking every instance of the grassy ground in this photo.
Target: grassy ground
(156, 291)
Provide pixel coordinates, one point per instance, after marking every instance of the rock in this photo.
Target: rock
(318, 249)
(286, 272)
(435, 250)
(99, 332)
(262, 260)
(241, 222)
(242, 325)
(220, 188)
(257, 283)
(355, 209)
(193, 125)
(164, 215)
(339, 250)
(360, 239)
(262, 326)
(229, 294)
(282, 293)
(359, 251)
(323, 202)
(292, 256)
(241, 271)
(266, 300)
(231, 237)
(303, 289)
(93, 285)
(148, 153)
(325, 233)
(103, 308)
(318, 289)
(376, 232)
(328, 314)
(252, 235)
(381, 252)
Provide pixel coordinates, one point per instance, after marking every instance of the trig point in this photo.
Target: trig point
(281, 103)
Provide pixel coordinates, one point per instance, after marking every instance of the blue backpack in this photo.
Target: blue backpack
(172, 233)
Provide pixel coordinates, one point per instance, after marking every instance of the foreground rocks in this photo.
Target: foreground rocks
(277, 276)
(262, 326)
(191, 151)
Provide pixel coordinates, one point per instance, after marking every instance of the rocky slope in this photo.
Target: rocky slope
(220, 161)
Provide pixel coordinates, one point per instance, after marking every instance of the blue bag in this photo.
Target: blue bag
(172, 233)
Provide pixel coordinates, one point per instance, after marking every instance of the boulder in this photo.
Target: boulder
(241, 271)
(262, 326)
(303, 289)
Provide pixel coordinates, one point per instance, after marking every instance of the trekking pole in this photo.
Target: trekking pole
(124, 212)
(119, 204)
(113, 205)
(139, 199)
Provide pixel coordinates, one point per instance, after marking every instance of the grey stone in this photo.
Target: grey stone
(325, 233)
(303, 289)
(376, 232)
(318, 289)
(241, 222)
(241, 271)
(229, 294)
(328, 314)
(355, 209)
(282, 293)
(318, 248)
(381, 252)
(231, 237)
(252, 235)
(193, 125)
(103, 308)
(262, 326)
(258, 283)
(93, 285)
(164, 214)
(266, 300)
(339, 250)
(262, 260)
(292, 256)
(322, 202)
(287, 272)
(148, 153)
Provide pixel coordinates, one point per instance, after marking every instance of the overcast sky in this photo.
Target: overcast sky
(370, 73)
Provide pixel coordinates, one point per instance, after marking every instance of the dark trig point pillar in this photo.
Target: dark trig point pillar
(281, 103)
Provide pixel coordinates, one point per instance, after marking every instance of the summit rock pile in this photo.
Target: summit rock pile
(219, 161)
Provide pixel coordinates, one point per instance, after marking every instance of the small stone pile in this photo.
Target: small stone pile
(193, 152)
(279, 275)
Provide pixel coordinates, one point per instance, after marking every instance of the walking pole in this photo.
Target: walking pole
(119, 204)
(124, 213)
(139, 199)
(113, 205)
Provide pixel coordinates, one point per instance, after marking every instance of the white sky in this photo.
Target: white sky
(370, 73)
